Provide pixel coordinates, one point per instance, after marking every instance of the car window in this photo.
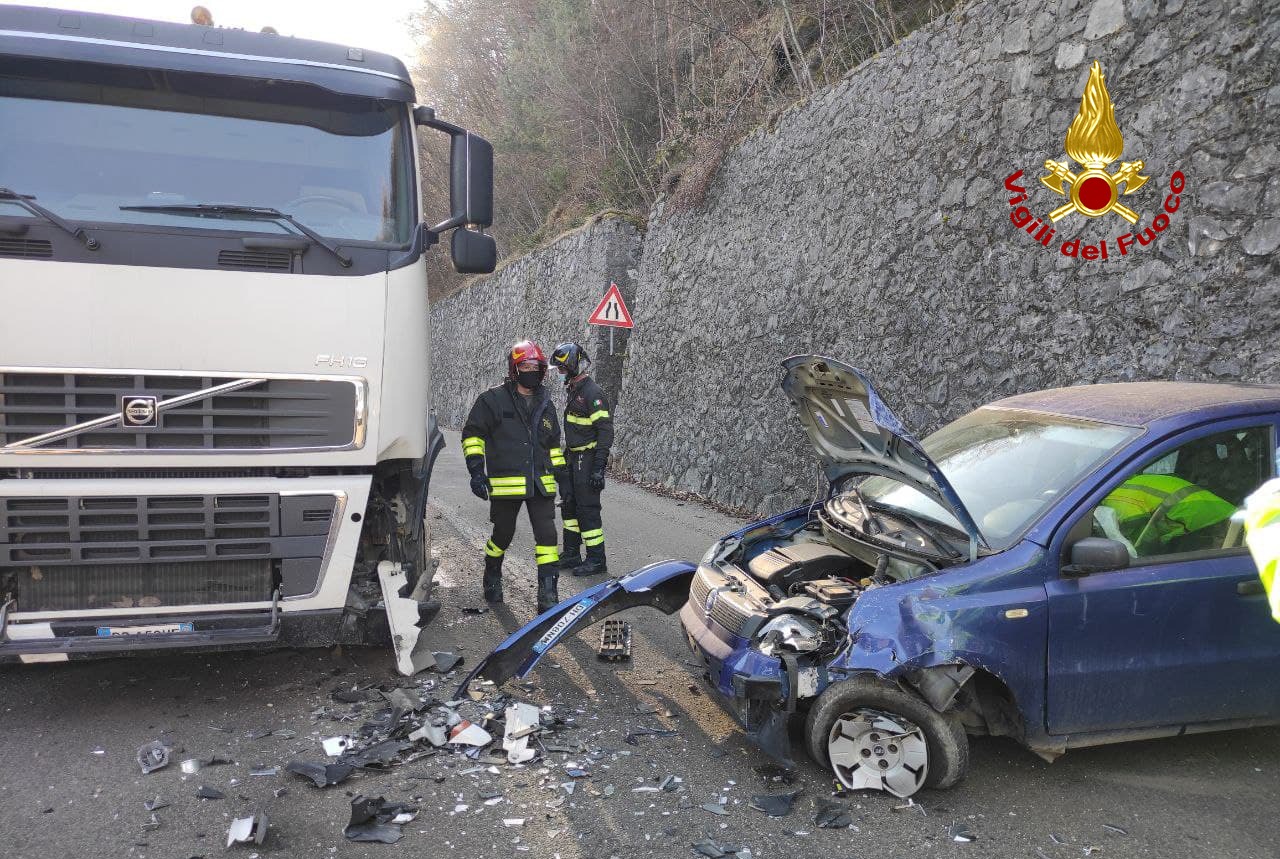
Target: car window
(1182, 502)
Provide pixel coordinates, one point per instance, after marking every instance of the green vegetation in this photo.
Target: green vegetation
(596, 105)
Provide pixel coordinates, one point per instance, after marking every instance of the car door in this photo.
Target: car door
(1183, 634)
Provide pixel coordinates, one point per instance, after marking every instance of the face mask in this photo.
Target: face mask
(531, 379)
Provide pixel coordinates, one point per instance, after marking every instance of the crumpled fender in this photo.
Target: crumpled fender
(664, 586)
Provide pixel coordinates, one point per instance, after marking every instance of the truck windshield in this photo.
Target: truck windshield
(1007, 466)
(84, 141)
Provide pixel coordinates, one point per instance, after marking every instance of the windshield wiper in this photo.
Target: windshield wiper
(259, 213)
(27, 201)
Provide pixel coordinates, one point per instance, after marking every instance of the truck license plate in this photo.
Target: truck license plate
(152, 629)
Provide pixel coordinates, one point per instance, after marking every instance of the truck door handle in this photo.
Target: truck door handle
(1249, 588)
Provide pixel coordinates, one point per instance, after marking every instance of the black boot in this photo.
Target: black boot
(547, 594)
(492, 579)
(571, 554)
(594, 565)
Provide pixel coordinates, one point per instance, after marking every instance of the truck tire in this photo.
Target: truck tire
(868, 696)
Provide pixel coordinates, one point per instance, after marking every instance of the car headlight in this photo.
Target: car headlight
(788, 632)
(712, 552)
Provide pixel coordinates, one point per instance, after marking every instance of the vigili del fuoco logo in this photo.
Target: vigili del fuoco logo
(1094, 191)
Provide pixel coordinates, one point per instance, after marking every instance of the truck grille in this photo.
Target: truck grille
(264, 414)
(99, 552)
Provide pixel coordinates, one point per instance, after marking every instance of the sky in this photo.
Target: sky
(376, 25)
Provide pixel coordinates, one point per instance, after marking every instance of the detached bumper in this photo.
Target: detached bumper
(60, 641)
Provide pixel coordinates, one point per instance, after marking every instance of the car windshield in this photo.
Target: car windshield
(84, 140)
(1006, 465)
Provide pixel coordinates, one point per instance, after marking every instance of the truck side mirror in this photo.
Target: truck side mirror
(472, 252)
(471, 179)
(1096, 555)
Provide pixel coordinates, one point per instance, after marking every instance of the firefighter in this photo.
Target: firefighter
(1151, 510)
(512, 445)
(588, 431)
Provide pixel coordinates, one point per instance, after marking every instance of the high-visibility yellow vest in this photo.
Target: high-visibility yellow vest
(1262, 533)
(1153, 509)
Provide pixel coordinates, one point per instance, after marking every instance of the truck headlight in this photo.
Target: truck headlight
(788, 632)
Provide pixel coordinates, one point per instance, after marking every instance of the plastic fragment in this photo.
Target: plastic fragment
(265, 771)
(322, 775)
(961, 834)
(475, 609)
(715, 808)
(1116, 829)
(335, 746)
(206, 792)
(248, 829)
(467, 734)
(376, 820)
(446, 662)
(522, 720)
(833, 815)
(774, 805)
(153, 756)
(633, 738)
(152, 824)
(155, 804)
(615, 640)
(513, 821)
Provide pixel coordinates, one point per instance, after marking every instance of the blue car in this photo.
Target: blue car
(1064, 567)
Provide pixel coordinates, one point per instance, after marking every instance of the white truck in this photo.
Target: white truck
(214, 419)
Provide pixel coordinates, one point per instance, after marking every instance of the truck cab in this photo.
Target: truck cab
(214, 419)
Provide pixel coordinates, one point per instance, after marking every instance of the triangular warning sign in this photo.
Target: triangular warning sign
(611, 310)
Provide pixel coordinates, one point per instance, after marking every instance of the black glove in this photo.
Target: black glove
(597, 478)
(480, 485)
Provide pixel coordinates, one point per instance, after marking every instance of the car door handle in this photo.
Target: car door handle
(1249, 588)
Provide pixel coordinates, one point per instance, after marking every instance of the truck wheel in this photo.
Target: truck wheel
(876, 736)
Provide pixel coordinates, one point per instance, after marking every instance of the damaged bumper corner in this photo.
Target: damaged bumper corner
(664, 586)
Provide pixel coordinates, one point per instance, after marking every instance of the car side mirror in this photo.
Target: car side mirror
(472, 252)
(1096, 555)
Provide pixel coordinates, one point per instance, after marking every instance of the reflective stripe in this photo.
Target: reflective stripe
(557, 456)
(571, 525)
(491, 549)
(595, 416)
(549, 483)
(506, 491)
(593, 537)
(546, 554)
(580, 448)
(473, 446)
(577, 419)
(506, 481)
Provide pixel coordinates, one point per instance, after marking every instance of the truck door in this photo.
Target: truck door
(1183, 634)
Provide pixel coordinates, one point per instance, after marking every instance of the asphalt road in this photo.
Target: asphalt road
(69, 786)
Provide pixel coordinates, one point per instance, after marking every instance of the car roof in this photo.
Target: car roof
(1143, 403)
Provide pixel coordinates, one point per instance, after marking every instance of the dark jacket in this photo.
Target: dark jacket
(518, 446)
(588, 425)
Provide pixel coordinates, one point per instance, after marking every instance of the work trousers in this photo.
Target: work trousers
(542, 518)
(581, 507)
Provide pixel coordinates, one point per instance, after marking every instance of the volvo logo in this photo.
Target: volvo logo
(139, 411)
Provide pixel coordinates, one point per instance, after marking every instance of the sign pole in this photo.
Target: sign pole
(610, 339)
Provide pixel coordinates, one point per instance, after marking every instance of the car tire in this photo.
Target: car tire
(947, 743)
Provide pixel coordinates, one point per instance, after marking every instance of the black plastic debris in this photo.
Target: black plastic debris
(771, 773)
(716, 850)
(258, 734)
(446, 662)
(206, 792)
(375, 819)
(475, 609)
(155, 804)
(404, 700)
(633, 738)
(245, 830)
(153, 756)
(833, 815)
(348, 696)
(379, 754)
(615, 640)
(961, 833)
(322, 775)
(774, 805)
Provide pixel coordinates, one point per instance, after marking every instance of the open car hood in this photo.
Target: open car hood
(855, 433)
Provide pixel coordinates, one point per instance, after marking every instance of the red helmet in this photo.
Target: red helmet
(525, 350)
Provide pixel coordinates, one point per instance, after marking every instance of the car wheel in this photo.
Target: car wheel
(877, 736)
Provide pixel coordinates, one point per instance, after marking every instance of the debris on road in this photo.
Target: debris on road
(335, 746)
(775, 805)
(1116, 829)
(833, 815)
(467, 734)
(615, 640)
(376, 820)
(446, 662)
(206, 792)
(961, 834)
(191, 766)
(633, 738)
(715, 808)
(155, 804)
(248, 829)
(322, 775)
(523, 720)
(715, 850)
(153, 756)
